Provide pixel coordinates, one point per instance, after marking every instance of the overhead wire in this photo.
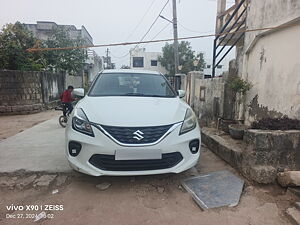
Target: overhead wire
(191, 30)
(143, 17)
(155, 20)
(149, 29)
(135, 28)
(164, 40)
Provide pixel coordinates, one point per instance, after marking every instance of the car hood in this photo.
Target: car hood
(133, 111)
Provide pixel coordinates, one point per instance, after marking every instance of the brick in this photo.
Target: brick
(5, 109)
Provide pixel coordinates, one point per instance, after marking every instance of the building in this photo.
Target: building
(267, 58)
(140, 59)
(220, 69)
(42, 30)
(94, 64)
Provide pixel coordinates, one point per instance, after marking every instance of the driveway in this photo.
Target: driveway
(37, 149)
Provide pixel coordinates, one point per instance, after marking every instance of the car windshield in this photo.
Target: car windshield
(131, 84)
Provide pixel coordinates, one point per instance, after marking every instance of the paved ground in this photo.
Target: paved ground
(37, 149)
(128, 200)
(11, 125)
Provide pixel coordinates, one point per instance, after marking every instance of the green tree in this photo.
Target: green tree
(71, 60)
(186, 58)
(14, 40)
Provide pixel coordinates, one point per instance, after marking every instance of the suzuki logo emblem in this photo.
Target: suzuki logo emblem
(138, 135)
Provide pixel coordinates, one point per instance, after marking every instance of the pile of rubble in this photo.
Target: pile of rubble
(291, 180)
(27, 181)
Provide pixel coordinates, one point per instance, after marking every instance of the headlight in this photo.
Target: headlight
(81, 123)
(189, 122)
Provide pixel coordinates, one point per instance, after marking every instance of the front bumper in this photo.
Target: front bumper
(101, 144)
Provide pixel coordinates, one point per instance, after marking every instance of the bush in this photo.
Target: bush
(238, 85)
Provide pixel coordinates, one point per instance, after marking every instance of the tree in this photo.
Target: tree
(14, 40)
(186, 58)
(71, 60)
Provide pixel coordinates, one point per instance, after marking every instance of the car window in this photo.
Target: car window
(131, 84)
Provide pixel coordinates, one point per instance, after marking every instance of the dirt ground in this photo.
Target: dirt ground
(137, 200)
(11, 125)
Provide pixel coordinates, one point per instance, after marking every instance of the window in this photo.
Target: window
(208, 66)
(219, 66)
(132, 84)
(153, 62)
(138, 61)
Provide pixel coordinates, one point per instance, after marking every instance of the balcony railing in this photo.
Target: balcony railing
(230, 27)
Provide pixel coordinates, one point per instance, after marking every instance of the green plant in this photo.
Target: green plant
(16, 38)
(238, 85)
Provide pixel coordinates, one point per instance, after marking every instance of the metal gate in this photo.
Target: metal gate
(175, 81)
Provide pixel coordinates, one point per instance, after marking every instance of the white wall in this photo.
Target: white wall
(148, 56)
(272, 60)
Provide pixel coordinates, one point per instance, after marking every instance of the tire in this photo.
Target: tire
(63, 120)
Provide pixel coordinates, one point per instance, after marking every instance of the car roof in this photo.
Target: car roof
(131, 71)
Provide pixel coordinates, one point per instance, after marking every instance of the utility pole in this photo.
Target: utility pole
(176, 56)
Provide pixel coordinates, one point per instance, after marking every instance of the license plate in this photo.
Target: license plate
(137, 154)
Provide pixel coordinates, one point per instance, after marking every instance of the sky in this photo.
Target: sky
(114, 21)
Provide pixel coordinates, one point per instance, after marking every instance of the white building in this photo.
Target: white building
(220, 69)
(94, 64)
(140, 59)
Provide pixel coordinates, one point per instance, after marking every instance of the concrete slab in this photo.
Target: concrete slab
(215, 189)
(37, 149)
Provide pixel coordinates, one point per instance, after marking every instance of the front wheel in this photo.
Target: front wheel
(63, 121)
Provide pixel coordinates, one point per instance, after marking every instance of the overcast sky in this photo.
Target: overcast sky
(110, 21)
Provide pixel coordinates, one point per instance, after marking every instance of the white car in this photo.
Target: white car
(132, 122)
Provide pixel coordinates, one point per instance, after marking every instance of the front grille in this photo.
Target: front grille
(144, 135)
(108, 162)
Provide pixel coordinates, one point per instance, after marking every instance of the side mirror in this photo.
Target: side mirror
(78, 92)
(181, 93)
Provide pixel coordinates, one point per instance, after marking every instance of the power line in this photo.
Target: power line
(162, 40)
(194, 31)
(147, 30)
(154, 21)
(141, 20)
(143, 17)
(160, 31)
(120, 57)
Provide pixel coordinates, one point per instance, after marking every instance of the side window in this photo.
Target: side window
(138, 61)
